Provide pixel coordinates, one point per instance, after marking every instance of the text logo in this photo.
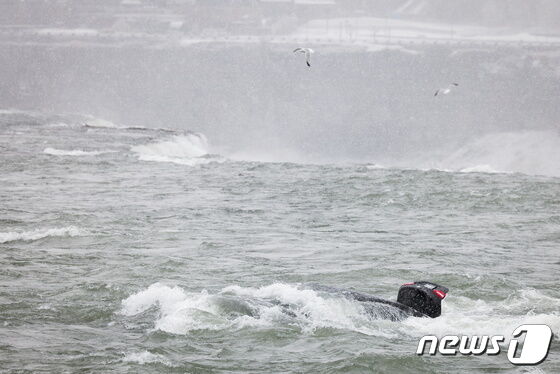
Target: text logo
(536, 345)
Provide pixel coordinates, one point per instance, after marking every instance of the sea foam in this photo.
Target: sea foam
(146, 357)
(306, 310)
(73, 152)
(6, 237)
(238, 307)
(465, 316)
(528, 152)
(180, 149)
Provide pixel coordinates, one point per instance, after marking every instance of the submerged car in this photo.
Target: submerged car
(415, 299)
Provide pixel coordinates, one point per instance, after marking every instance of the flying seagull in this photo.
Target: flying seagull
(446, 90)
(307, 51)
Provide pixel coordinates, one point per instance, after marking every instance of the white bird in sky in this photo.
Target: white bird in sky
(308, 52)
(446, 90)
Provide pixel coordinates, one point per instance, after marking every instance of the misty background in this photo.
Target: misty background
(226, 69)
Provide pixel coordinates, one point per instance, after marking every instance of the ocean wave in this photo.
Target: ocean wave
(479, 169)
(59, 125)
(190, 149)
(10, 111)
(73, 152)
(528, 152)
(306, 310)
(310, 309)
(146, 357)
(92, 122)
(237, 307)
(70, 231)
(465, 316)
(102, 123)
(375, 167)
(70, 120)
(180, 312)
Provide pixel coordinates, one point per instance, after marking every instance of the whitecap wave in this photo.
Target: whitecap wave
(465, 316)
(73, 152)
(479, 169)
(180, 312)
(190, 149)
(10, 111)
(310, 308)
(237, 307)
(102, 123)
(293, 306)
(375, 166)
(146, 357)
(59, 125)
(528, 152)
(99, 123)
(70, 231)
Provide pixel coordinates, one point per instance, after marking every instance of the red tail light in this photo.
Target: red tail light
(439, 294)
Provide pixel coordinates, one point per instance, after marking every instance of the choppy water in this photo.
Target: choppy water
(134, 250)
